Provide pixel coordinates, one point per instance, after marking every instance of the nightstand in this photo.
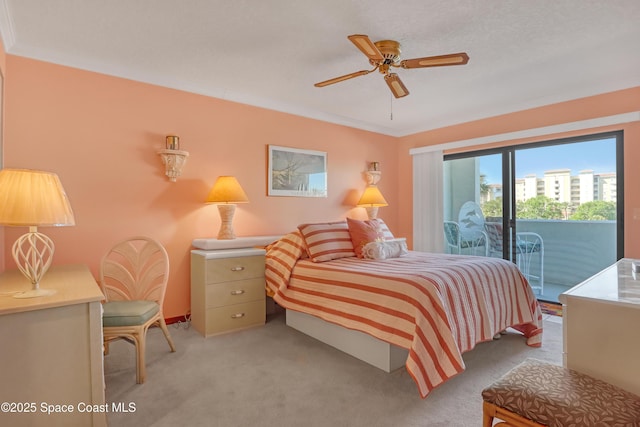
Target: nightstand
(228, 285)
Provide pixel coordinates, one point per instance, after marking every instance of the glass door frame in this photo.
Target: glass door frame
(509, 181)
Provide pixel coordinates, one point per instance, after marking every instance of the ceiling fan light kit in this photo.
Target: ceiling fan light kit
(385, 54)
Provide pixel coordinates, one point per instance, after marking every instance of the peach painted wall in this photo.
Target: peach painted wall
(581, 109)
(100, 134)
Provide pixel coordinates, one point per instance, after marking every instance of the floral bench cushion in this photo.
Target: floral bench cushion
(555, 396)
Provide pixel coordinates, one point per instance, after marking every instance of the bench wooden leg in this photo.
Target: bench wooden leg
(489, 411)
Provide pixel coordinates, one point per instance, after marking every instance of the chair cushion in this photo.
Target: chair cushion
(128, 313)
(556, 396)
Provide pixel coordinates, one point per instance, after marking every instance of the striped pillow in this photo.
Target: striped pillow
(386, 233)
(328, 240)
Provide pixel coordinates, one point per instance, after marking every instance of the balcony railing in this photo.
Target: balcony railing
(573, 250)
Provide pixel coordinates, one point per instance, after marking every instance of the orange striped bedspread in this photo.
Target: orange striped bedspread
(435, 305)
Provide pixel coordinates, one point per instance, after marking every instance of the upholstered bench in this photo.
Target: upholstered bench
(537, 393)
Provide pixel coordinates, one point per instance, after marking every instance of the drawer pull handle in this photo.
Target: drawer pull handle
(238, 268)
(237, 315)
(237, 292)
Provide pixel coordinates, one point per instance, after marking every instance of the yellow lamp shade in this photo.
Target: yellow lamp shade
(372, 197)
(33, 198)
(227, 189)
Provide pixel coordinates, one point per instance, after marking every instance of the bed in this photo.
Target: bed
(426, 309)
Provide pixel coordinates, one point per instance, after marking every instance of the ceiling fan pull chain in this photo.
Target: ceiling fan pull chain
(391, 106)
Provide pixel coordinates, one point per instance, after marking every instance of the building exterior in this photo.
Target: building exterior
(563, 187)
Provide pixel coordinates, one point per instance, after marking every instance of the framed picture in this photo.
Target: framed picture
(297, 173)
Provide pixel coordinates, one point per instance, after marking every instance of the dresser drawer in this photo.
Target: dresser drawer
(236, 292)
(230, 269)
(237, 316)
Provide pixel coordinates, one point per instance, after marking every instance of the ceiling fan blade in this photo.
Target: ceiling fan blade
(366, 46)
(436, 61)
(343, 78)
(395, 84)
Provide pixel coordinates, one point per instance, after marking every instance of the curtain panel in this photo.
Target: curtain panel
(428, 216)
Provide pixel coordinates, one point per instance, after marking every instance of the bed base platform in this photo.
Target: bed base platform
(375, 352)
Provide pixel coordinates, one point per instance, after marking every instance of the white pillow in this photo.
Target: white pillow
(385, 249)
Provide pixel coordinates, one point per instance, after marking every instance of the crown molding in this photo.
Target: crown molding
(6, 27)
(617, 119)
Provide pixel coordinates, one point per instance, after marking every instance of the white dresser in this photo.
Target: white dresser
(51, 351)
(601, 320)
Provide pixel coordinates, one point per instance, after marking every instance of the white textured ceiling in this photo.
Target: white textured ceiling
(269, 53)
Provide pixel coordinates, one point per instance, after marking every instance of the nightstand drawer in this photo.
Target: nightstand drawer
(237, 316)
(230, 269)
(236, 292)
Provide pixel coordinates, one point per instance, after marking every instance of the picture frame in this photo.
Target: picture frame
(295, 172)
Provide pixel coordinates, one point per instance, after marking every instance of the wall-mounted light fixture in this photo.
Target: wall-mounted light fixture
(373, 174)
(226, 192)
(372, 198)
(173, 157)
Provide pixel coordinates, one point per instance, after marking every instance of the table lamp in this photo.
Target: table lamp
(226, 192)
(31, 198)
(372, 199)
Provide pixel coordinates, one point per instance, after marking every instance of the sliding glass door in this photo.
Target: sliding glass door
(472, 197)
(555, 208)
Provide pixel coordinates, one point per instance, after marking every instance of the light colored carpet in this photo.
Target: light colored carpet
(276, 376)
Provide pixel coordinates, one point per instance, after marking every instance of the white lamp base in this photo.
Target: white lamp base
(34, 293)
(372, 212)
(33, 253)
(226, 226)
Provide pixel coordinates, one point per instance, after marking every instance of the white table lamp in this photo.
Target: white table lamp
(226, 192)
(371, 200)
(31, 198)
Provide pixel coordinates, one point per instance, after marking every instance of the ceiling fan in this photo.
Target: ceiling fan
(385, 54)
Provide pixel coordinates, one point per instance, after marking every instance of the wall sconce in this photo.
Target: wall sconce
(31, 198)
(226, 192)
(173, 158)
(373, 174)
(371, 200)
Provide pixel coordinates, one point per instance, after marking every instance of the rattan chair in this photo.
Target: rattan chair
(133, 278)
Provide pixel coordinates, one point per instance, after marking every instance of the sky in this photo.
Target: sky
(600, 156)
